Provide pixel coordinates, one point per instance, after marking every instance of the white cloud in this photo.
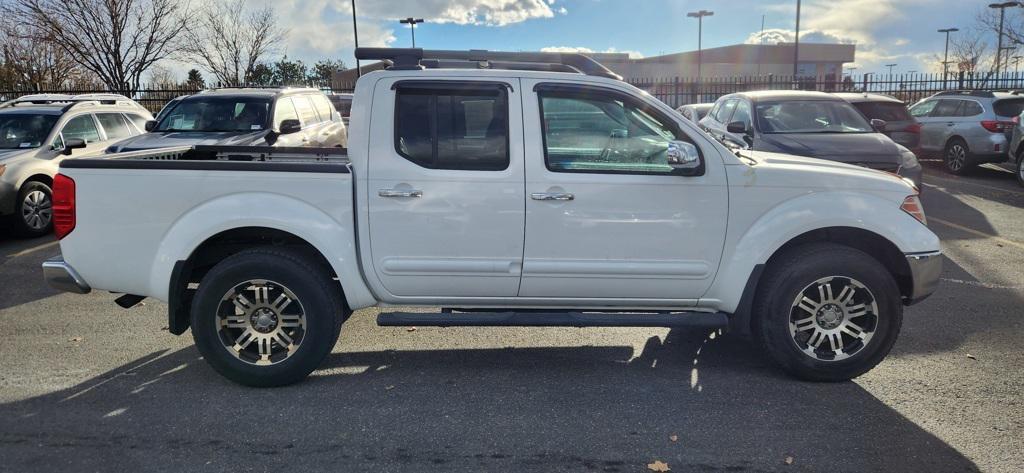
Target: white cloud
(579, 49)
(460, 12)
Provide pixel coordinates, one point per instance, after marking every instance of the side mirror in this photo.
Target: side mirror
(619, 133)
(150, 125)
(289, 126)
(878, 125)
(684, 157)
(73, 144)
(737, 127)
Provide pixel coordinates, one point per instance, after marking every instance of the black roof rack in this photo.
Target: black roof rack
(417, 58)
(972, 93)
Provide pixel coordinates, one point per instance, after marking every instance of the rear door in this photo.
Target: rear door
(606, 217)
(445, 188)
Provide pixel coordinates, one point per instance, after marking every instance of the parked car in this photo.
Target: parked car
(343, 104)
(243, 117)
(899, 124)
(967, 128)
(510, 198)
(695, 111)
(37, 132)
(812, 124)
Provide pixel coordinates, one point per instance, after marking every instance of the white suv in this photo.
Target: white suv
(37, 132)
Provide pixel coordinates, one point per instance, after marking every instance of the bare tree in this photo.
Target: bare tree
(229, 40)
(32, 60)
(969, 52)
(117, 40)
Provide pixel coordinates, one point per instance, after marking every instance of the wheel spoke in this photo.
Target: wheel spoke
(262, 294)
(264, 347)
(281, 302)
(803, 325)
(244, 340)
(816, 338)
(856, 311)
(284, 340)
(242, 303)
(235, 321)
(290, 321)
(836, 340)
(846, 294)
(852, 330)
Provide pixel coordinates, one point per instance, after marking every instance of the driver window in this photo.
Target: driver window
(284, 111)
(743, 114)
(83, 127)
(594, 132)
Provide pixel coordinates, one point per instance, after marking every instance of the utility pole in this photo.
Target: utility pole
(890, 66)
(796, 43)
(355, 32)
(1002, 14)
(945, 55)
(699, 15)
(412, 26)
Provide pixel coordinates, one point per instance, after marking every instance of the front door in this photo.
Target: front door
(606, 217)
(932, 127)
(446, 193)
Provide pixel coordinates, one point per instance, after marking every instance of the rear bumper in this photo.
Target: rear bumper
(60, 275)
(925, 269)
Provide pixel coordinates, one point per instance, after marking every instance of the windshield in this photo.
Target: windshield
(24, 130)
(810, 116)
(237, 114)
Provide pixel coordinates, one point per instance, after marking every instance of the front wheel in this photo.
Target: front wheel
(266, 317)
(33, 212)
(827, 312)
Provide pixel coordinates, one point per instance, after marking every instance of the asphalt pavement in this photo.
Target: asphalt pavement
(88, 386)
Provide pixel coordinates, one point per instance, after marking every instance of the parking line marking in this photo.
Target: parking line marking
(958, 181)
(32, 250)
(976, 232)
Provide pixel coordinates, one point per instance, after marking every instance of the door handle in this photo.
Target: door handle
(398, 193)
(552, 196)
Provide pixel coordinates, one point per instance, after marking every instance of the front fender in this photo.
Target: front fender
(332, 236)
(754, 244)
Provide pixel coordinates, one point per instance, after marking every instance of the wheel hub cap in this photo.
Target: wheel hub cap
(36, 210)
(829, 316)
(833, 318)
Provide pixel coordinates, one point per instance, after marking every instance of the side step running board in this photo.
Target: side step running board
(711, 320)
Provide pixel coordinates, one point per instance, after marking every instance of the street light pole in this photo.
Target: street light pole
(355, 32)
(945, 55)
(890, 66)
(796, 42)
(412, 26)
(1002, 14)
(699, 15)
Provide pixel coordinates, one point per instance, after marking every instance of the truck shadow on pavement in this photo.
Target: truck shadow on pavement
(694, 400)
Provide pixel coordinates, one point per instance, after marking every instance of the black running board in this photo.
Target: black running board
(708, 320)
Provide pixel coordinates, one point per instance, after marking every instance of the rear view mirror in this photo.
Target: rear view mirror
(878, 125)
(289, 126)
(737, 127)
(684, 157)
(73, 144)
(150, 125)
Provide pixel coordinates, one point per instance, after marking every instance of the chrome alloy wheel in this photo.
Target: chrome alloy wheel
(838, 309)
(261, 322)
(37, 210)
(956, 157)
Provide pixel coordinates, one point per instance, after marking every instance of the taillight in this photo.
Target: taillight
(912, 205)
(913, 128)
(63, 205)
(997, 126)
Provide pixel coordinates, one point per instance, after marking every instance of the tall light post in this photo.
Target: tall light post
(796, 43)
(1002, 14)
(699, 15)
(945, 55)
(355, 32)
(412, 26)
(890, 66)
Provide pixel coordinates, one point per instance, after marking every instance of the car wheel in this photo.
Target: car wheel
(266, 317)
(827, 312)
(1020, 169)
(33, 212)
(957, 157)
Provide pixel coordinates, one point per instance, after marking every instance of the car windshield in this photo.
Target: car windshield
(211, 114)
(25, 130)
(810, 116)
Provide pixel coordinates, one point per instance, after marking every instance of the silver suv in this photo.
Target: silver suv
(37, 132)
(967, 128)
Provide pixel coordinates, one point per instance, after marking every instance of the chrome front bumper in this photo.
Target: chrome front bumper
(925, 269)
(61, 275)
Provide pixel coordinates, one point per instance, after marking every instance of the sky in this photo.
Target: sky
(885, 31)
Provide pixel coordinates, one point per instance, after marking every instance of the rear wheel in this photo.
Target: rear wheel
(266, 317)
(33, 212)
(957, 157)
(1020, 170)
(827, 312)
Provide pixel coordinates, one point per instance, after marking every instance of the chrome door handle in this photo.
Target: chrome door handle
(398, 193)
(552, 196)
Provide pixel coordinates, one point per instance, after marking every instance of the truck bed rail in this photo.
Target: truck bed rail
(222, 158)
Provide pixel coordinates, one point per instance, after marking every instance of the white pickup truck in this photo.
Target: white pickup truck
(507, 189)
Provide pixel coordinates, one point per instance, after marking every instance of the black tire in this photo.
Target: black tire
(957, 157)
(1020, 169)
(793, 272)
(42, 213)
(319, 297)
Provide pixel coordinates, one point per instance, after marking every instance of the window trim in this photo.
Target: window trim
(599, 91)
(434, 88)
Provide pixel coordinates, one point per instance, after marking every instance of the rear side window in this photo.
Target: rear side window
(323, 106)
(1008, 107)
(306, 111)
(888, 111)
(114, 125)
(83, 127)
(138, 120)
(464, 128)
(970, 108)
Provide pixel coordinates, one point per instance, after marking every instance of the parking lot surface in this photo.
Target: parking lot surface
(89, 386)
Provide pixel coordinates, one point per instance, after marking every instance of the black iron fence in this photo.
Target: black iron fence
(676, 91)
(153, 98)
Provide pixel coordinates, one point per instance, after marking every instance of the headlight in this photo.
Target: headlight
(908, 160)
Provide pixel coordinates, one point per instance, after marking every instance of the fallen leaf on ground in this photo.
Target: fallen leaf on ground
(658, 465)
(388, 388)
(410, 329)
(674, 438)
(788, 460)
(75, 339)
(971, 356)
